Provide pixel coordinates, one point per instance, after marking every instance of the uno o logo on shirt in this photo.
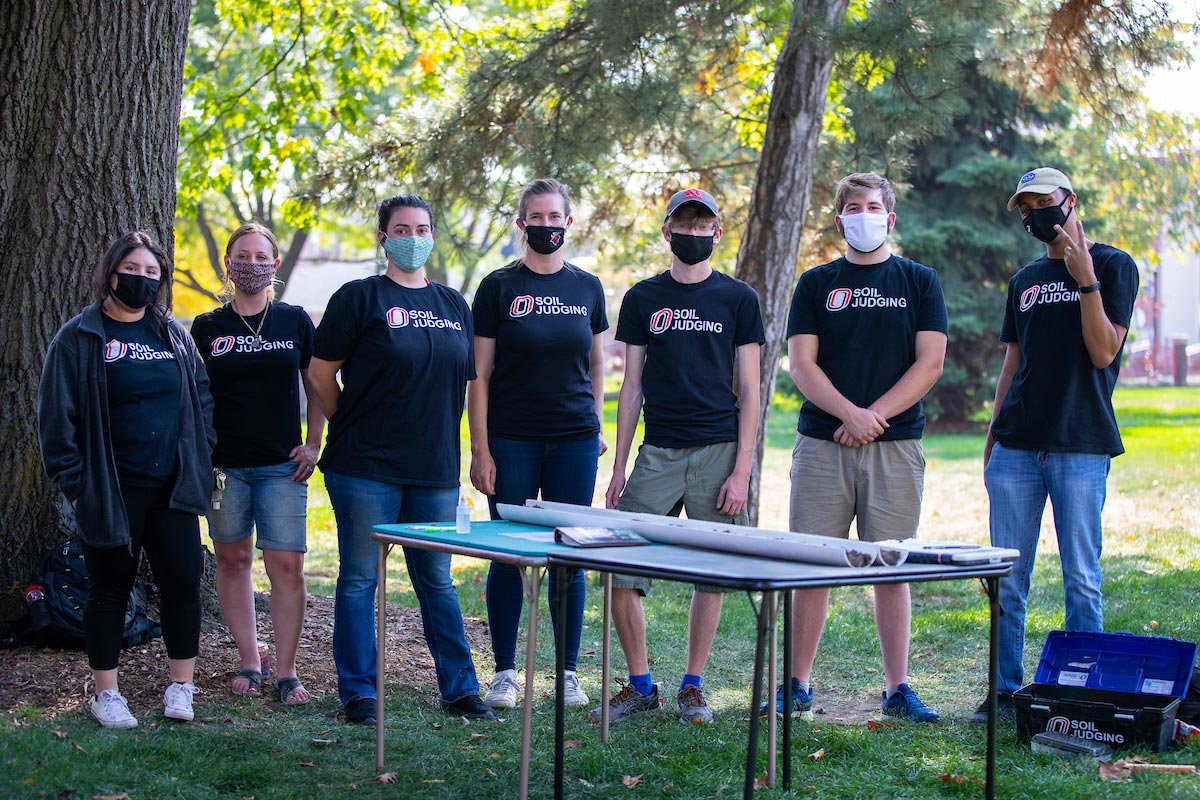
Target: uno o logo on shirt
(521, 306)
(838, 299)
(1029, 297)
(114, 351)
(397, 317)
(661, 320)
(222, 345)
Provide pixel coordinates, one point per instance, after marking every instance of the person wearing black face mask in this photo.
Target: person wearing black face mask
(1053, 432)
(535, 411)
(692, 337)
(125, 425)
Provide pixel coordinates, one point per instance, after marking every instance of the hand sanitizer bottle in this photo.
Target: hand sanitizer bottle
(462, 518)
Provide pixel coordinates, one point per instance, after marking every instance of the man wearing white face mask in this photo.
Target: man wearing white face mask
(866, 342)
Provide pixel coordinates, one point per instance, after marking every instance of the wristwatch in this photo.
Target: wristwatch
(1093, 287)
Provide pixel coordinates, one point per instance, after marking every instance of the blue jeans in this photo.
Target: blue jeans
(265, 500)
(1018, 483)
(358, 505)
(565, 472)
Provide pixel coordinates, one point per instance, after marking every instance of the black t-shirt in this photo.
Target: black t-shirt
(143, 400)
(408, 355)
(540, 389)
(691, 332)
(255, 381)
(867, 318)
(1058, 401)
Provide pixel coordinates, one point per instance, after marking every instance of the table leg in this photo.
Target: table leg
(560, 666)
(993, 592)
(606, 658)
(532, 581)
(772, 598)
(787, 691)
(380, 645)
(755, 698)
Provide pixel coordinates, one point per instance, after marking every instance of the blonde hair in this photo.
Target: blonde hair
(246, 229)
(861, 183)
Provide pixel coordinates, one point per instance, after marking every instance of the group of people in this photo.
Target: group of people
(146, 427)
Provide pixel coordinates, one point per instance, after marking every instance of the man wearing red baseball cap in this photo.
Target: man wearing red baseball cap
(691, 337)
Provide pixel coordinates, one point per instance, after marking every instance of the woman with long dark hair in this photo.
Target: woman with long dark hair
(125, 423)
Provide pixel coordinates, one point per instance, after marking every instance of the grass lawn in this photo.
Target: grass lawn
(1152, 569)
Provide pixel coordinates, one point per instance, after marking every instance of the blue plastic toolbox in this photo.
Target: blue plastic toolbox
(1115, 688)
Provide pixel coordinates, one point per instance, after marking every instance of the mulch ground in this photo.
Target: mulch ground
(59, 680)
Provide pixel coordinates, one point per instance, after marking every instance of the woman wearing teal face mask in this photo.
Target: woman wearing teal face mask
(403, 346)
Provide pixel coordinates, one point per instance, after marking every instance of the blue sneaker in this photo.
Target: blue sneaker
(905, 703)
(802, 703)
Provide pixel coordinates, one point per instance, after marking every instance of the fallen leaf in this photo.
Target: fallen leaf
(305, 764)
(121, 796)
(571, 743)
(476, 735)
(437, 726)
(433, 780)
(1114, 773)
(60, 735)
(760, 782)
(325, 742)
(77, 747)
(951, 778)
(631, 781)
(29, 781)
(491, 772)
(817, 755)
(66, 794)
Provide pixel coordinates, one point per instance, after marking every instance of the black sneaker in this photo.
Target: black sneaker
(361, 711)
(471, 707)
(1006, 708)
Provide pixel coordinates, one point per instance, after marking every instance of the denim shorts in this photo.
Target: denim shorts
(265, 499)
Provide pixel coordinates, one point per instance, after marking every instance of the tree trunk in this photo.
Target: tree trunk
(290, 258)
(89, 121)
(770, 247)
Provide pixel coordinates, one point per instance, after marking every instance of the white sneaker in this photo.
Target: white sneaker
(177, 701)
(111, 710)
(503, 690)
(572, 694)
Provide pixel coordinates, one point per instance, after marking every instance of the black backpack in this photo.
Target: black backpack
(65, 588)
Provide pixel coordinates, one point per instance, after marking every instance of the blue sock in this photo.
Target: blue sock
(642, 683)
(689, 680)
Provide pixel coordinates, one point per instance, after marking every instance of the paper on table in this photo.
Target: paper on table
(708, 535)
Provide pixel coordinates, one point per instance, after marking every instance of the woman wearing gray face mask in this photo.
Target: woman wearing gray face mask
(257, 351)
(125, 426)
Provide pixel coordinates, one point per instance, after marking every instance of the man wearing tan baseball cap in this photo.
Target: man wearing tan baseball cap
(1053, 432)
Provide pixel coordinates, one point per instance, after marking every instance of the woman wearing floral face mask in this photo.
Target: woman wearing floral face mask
(403, 346)
(125, 425)
(257, 351)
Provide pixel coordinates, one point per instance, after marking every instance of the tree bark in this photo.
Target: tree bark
(779, 202)
(290, 258)
(89, 121)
